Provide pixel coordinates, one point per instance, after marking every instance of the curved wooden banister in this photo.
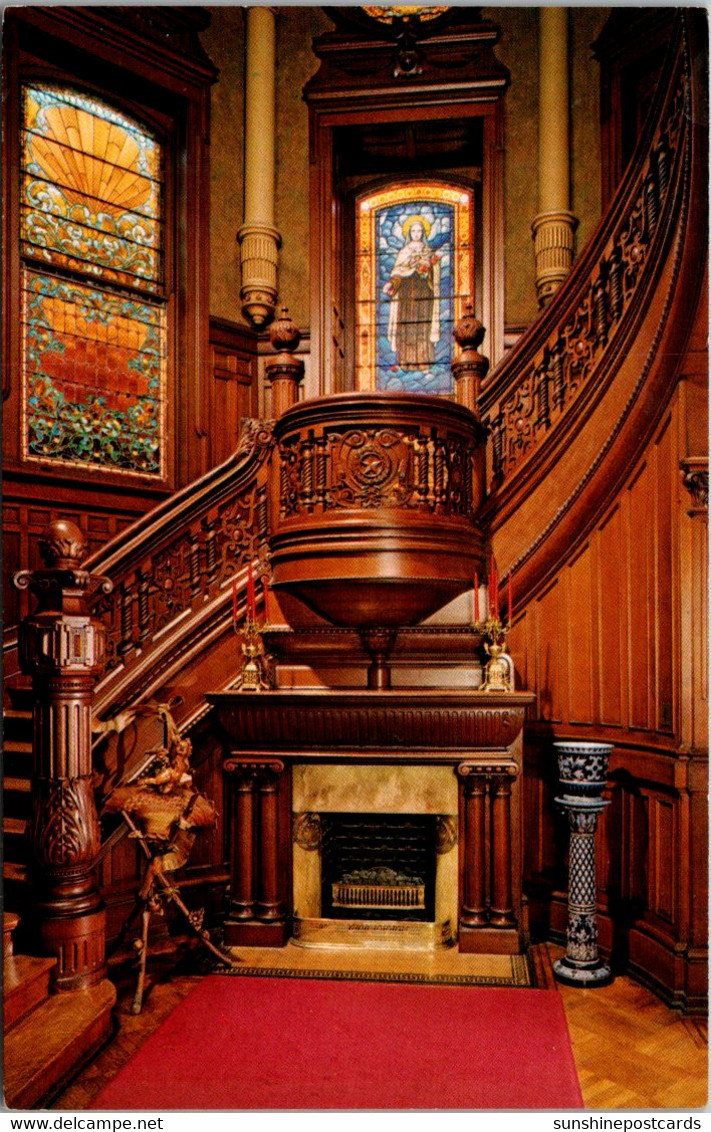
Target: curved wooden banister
(579, 395)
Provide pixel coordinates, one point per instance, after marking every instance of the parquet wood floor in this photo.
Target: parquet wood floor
(630, 1050)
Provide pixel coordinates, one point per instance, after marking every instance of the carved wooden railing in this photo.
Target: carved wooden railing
(173, 573)
(537, 398)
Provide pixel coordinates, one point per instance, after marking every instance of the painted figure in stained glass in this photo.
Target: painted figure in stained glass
(414, 291)
(414, 273)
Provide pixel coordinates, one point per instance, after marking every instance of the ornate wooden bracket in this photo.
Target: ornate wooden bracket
(695, 477)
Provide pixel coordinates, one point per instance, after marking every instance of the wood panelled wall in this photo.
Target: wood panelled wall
(615, 647)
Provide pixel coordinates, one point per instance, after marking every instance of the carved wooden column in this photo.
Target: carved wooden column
(62, 647)
(284, 372)
(501, 901)
(242, 895)
(269, 907)
(259, 240)
(258, 914)
(554, 227)
(474, 911)
(487, 905)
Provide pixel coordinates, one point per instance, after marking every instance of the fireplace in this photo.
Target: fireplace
(378, 866)
(315, 772)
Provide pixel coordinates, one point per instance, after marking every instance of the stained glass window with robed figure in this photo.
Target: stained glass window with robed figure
(94, 317)
(414, 276)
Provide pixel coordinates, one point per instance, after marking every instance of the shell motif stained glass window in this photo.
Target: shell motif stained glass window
(414, 276)
(94, 319)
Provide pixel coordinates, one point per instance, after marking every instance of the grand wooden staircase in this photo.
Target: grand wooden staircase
(583, 391)
(46, 1037)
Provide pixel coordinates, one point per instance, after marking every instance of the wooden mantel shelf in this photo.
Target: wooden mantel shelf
(409, 724)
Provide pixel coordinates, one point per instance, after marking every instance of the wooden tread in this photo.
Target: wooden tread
(14, 825)
(21, 785)
(25, 986)
(54, 1040)
(17, 746)
(12, 871)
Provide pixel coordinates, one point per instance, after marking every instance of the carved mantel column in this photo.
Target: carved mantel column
(259, 240)
(487, 904)
(62, 647)
(257, 912)
(554, 227)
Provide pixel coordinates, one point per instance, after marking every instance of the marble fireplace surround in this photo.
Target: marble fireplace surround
(322, 788)
(451, 752)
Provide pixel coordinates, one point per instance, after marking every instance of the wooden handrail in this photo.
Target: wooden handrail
(588, 382)
(172, 571)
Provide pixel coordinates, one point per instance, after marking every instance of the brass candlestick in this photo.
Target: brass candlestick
(255, 675)
(499, 669)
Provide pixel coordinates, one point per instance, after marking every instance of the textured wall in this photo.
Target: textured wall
(296, 27)
(224, 43)
(586, 25)
(518, 50)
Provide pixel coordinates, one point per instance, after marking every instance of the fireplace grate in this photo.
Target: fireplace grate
(378, 866)
(378, 888)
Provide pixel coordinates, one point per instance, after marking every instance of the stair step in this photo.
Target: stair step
(12, 871)
(25, 986)
(14, 825)
(54, 1041)
(17, 746)
(22, 785)
(20, 693)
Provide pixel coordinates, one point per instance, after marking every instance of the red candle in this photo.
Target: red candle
(494, 601)
(510, 597)
(476, 599)
(265, 596)
(251, 605)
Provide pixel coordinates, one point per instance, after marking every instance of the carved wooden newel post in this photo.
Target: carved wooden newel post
(62, 647)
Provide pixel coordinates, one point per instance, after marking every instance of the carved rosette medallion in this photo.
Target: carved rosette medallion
(307, 831)
(446, 834)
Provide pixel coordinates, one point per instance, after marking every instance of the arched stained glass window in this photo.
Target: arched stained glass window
(94, 318)
(415, 267)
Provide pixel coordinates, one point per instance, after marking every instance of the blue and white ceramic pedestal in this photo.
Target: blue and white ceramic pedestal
(583, 772)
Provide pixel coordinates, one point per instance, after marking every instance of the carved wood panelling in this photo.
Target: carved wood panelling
(602, 650)
(233, 361)
(613, 614)
(549, 657)
(610, 629)
(580, 640)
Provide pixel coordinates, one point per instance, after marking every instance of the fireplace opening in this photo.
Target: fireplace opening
(378, 866)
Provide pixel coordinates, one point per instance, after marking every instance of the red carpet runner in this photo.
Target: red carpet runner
(257, 1043)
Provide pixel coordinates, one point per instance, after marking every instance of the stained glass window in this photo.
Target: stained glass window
(414, 274)
(94, 376)
(94, 352)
